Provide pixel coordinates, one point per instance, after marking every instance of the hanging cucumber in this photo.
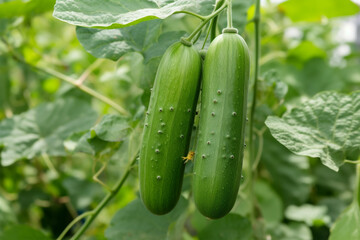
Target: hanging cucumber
(220, 140)
(168, 126)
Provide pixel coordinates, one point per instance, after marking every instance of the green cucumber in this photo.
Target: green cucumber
(168, 126)
(221, 135)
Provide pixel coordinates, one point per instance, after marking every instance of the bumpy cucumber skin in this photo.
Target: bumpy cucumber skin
(220, 141)
(168, 126)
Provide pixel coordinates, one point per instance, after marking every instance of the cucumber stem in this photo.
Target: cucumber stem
(229, 14)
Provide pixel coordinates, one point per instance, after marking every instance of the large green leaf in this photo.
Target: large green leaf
(290, 173)
(43, 129)
(145, 38)
(22, 232)
(135, 222)
(123, 13)
(28, 8)
(310, 10)
(347, 225)
(232, 226)
(326, 126)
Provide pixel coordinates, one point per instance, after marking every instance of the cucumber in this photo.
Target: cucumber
(168, 124)
(220, 141)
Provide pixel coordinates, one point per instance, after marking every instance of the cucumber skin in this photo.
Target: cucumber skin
(171, 111)
(221, 135)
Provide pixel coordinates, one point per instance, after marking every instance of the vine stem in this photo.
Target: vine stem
(357, 192)
(256, 76)
(192, 14)
(352, 162)
(252, 157)
(206, 19)
(70, 80)
(93, 214)
(73, 222)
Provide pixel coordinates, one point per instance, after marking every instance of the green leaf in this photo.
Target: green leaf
(43, 129)
(311, 215)
(270, 203)
(134, 221)
(347, 225)
(305, 51)
(292, 231)
(123, 13)
(25, 8)
(309, 10)
(326, 126)
(290, 173)
(22, 232)
(232, 226)
(111, 128)
(82, 192)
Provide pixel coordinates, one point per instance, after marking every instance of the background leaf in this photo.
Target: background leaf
(28, 8)
(311, 215)
(291, 231)
(270, 203)
(325, 127)
(111, 128)
(232, 226)
(134, 221)
(7, 215)
(290, 174)
(309, 10)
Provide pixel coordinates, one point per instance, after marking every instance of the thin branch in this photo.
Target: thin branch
(89, 70)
